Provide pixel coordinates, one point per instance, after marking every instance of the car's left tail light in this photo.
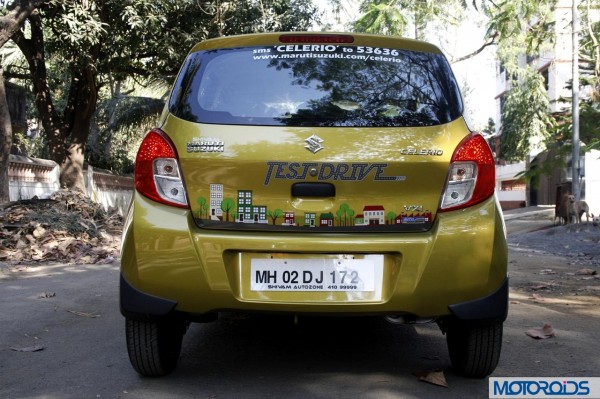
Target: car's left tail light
(472, 174)
(157, 172)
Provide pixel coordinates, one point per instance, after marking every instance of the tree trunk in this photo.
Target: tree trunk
(6, 141)
(33, 50)
(10, 23)
(83, 97)
(67, 133)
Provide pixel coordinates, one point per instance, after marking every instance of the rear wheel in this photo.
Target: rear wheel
(474, 350)
(154, 347)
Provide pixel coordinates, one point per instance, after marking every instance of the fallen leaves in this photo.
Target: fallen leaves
(67, 228)
(83, 314)
(35, 348)
(586, 272)
(539, 287)
(545, 332)
(435, 377)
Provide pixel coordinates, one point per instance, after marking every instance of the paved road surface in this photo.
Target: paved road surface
(72, 312)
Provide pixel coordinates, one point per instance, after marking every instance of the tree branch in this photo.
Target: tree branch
(491, 42)
(18, 11)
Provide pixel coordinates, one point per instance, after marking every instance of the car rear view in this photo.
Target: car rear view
(314, 174)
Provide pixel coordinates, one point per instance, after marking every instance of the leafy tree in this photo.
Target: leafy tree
(391, 217)
(89, 41)
(203, 207)
(118, 122)
(350, 214)
(589, 114)
(526, 118)
(227, 206)
(393, 17)
(275, 214)
(12, 19)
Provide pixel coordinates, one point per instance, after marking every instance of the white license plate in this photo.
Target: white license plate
(354, 275)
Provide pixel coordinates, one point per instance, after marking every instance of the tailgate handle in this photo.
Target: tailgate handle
(313, 190)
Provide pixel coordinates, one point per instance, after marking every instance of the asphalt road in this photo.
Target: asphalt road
(529, 221)
(71, 314)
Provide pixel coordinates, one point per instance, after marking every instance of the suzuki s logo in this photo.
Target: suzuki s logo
(313, 144)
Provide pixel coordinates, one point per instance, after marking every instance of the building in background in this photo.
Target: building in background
(555, 65)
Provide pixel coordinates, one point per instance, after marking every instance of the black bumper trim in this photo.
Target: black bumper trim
(138, 305)
(491, 308)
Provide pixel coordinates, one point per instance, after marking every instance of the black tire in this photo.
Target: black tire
(474, 350)
(153, 347)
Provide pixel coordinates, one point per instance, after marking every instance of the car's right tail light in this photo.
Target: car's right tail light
(157, 172)
(472, 174)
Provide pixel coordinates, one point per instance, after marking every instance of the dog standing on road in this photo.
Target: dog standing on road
(561, 211)
(570, 211)
(576, 209)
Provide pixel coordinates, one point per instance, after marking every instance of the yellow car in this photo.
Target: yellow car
(314, 173)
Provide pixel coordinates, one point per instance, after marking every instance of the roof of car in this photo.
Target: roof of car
(266, 39)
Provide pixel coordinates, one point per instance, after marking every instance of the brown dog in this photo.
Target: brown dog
(561, 211)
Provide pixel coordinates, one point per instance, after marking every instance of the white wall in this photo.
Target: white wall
(592, 181)
(30, 177)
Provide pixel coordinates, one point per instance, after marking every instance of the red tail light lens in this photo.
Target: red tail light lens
(315, 38)
(472, 175)
(157, 172)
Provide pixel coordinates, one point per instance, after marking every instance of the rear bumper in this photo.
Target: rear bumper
(170, 265)
(138, 305)
(491, 308)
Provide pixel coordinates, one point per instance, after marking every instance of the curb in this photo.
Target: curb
(517, 215)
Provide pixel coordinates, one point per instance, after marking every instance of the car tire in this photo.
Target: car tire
(474, 350)
(154, 347)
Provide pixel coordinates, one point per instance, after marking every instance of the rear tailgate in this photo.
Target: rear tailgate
(282, 178)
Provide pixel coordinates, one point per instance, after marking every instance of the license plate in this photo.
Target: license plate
(354, 275)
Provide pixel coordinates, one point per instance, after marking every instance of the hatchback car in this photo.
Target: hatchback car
(312, 173)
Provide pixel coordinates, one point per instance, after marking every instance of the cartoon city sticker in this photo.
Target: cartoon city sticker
(242, 209)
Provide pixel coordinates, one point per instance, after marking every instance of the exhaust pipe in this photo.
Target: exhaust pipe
(404, 319)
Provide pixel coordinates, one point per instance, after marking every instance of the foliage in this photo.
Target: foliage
(117, 129)
(521, 27)
(394, 17)
(515, 26)
(86, 45)
(275, 214)
(526, 117)
(228, 206)
(589, 111)
(384, 17)
(490, 128)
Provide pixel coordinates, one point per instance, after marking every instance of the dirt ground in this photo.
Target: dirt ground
(554, 281)
(557, 267)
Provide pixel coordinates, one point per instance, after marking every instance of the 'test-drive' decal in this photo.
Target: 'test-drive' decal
(328, 171)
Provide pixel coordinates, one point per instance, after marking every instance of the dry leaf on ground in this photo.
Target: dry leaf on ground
(435, 377)
(586, 272)
(67, 228)
(539, 287)
(35, 348)
(545, 332)
(83, 314)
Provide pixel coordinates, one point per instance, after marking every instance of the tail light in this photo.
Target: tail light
(157, 172)
(472, 175)
(316, 38)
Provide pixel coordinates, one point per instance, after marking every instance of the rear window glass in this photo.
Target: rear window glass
(316, 85)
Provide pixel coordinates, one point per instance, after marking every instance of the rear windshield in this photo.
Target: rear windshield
(316, 85)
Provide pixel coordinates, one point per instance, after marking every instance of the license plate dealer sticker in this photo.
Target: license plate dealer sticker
(354, 275)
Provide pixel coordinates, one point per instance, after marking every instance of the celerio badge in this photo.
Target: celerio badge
(313, 144)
